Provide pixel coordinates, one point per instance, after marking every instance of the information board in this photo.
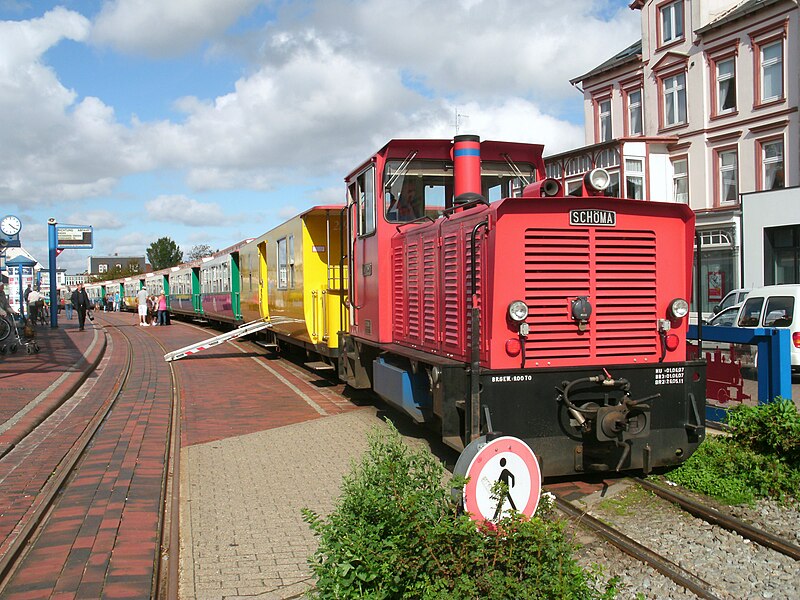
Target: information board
(74, 236)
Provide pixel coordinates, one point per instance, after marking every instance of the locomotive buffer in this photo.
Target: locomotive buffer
(240, 331)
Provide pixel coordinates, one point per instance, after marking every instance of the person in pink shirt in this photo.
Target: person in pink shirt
(162, 309)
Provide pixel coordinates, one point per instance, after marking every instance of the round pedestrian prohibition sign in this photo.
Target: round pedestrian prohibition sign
(507, 459)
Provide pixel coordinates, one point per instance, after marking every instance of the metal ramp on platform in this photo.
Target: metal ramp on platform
(240, 331)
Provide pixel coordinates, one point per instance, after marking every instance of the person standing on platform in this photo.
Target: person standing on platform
(162, 309)
(80, 302)
(68, 304)
(5, 307)
(116, 301)
(141, 298)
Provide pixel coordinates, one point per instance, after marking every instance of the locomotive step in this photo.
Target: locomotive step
(319, 366)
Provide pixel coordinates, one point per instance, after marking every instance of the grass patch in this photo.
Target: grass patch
(760, 460)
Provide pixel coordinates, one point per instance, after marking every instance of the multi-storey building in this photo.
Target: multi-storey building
(702, 109)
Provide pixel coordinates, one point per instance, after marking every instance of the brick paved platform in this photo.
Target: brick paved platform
(33, 385)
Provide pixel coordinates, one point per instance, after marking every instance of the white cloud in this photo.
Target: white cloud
(187, 211)
(98, 219)
(158, 29)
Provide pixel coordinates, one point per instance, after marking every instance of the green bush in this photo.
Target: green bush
(761, 459)
(772, 429)
(396, 533)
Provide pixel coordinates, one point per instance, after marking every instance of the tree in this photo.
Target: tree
(164, 253)
(199, 251)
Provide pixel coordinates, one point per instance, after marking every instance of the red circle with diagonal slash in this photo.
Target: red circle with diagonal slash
(516, 458)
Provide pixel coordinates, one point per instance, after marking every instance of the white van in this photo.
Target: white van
(775, 306)
(732, 298)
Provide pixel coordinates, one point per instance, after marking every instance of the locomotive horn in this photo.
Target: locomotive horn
(545, 187)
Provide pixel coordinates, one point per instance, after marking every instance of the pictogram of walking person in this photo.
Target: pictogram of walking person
(507, 477)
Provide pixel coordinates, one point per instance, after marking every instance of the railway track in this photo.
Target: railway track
(619, 540)
(70, 428)
(716, 517)
(699, 570)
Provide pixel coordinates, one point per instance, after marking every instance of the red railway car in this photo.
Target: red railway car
(482, 300)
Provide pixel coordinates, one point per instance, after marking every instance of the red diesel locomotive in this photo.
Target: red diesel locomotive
(482, 300)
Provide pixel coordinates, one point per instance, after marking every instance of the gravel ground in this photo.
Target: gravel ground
(735, 567)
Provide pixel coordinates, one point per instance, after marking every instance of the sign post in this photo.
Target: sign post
(504, 459)
(51, 254)
(60, 237)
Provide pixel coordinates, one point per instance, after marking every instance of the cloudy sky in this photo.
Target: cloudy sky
(211, 121)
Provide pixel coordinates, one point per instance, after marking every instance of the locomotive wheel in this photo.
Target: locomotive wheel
(13, 348)
(3, 349)
(28, 350)
(36, 347)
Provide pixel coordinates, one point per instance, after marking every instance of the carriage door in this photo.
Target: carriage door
(262, 280)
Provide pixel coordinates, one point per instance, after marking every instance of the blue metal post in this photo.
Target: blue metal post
(22, 303)
(51, 247)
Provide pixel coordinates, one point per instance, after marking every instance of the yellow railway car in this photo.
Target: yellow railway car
(294, 275)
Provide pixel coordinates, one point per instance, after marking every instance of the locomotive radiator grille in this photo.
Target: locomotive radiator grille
(430, 285)
(616, 269)
(452, 293)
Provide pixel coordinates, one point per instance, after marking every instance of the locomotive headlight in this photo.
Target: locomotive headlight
(679, 308)
(518, 311)
(597, 180)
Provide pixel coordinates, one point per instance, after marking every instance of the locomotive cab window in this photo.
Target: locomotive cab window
(419, 188)
(361, 192)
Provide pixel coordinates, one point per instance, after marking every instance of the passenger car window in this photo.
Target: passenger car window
(751, 311)
(726, 318)
(779, 311)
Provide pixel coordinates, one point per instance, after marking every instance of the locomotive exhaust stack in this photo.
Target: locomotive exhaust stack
(466, 167)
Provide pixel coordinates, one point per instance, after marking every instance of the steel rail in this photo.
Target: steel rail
(712, 515)
(678, 574)
(167, 573)
(15, 551)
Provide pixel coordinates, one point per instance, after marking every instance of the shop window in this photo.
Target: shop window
(607, 158)
(782, 255)
(680, 180)
(613, 184)
(634, 178)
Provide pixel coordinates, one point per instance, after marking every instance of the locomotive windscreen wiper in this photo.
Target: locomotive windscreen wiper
(515, 169)
(401, 170)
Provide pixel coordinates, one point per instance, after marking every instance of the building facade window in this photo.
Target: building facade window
(771, 71)
(680, 180)
(604, 120)
(634, 178)
(726, 86)
(674, 100)
(635, 125)
(772, 164)
(728, 182)
(782, 255)
(671, 22)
